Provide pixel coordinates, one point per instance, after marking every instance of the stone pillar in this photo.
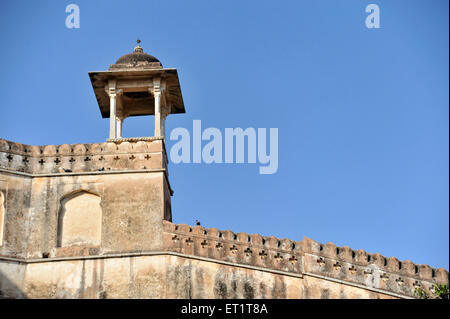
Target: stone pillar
(111, 91)
(112, 113)
(157, 95)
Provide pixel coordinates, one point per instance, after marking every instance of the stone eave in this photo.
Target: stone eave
(99, 80)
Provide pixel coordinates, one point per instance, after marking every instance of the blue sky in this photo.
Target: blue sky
(362, 113)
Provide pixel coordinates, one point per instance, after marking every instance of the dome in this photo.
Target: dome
(137, 59)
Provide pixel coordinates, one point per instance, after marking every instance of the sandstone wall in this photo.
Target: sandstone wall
(169, 276)
(207, 263)
(134, 197)
(133, 250)
(17, 202)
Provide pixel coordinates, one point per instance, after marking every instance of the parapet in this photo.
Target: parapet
(307, 258)
(117, 155)
(371, 270)
(246, 249)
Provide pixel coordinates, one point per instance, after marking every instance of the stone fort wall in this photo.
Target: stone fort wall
(340, 265)
(140, 253)
(129, 179)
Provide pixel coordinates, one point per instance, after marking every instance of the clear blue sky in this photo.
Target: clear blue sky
(362, 113)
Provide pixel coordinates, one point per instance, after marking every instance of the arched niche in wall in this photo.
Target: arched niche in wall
(80, 220)
(2, 216)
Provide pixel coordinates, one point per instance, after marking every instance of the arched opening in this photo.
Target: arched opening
(2, 216)
(80, 220)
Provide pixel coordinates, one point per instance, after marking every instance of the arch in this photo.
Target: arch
(2, 216)
(80, 220)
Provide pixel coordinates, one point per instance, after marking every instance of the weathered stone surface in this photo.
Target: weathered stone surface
(133, 201)
(127, 247)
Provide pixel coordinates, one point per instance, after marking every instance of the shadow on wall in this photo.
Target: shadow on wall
(8, 289)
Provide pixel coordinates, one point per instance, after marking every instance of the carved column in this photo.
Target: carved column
(112, 113)
(157, 95)
(113, 95)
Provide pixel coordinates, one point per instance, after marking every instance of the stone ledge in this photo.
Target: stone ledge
(169, 253)
(134, 139)
(156, 170)
(142, 254)
(358, 286)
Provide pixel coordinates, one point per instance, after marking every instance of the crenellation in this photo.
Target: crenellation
(271, 242)
(109, 148)
(243, 248)
(393, 265)
(408, 268)
(79, 149)
(141, 146)
(243, 238)
(34, 151)
(255, 240)
(17, 148)
(441, 276)
(66, 158)
(227, 235)
(199, 231)
(4, 161)
(64, 150)
(379, 260)
(286, 244)
(345, 253)
(388, 273)
(4, 145)
(311, 246)
(425, 272)
(125, 147)
(362, 257)
(49, 150)
(329, 250)
(214, 233)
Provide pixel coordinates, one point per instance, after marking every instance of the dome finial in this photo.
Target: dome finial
(138, 48)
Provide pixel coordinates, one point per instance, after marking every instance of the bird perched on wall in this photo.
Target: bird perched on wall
(64, 170)
(101, 169)
(197, 223)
